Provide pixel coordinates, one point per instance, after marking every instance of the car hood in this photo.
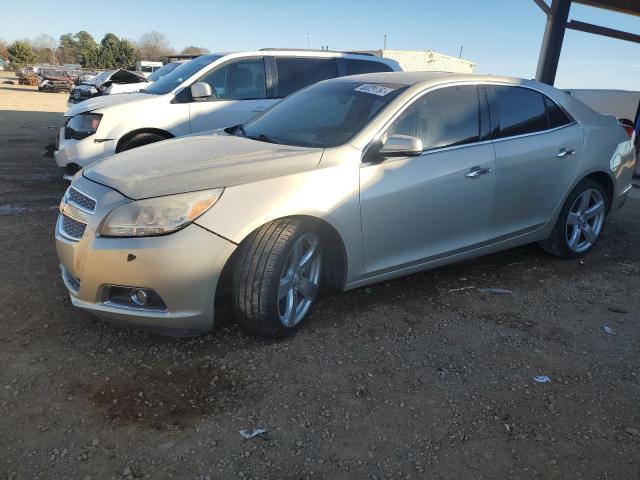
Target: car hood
(105, 101)
(198, 162)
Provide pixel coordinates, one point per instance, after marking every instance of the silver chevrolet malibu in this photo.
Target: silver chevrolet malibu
(346, 183)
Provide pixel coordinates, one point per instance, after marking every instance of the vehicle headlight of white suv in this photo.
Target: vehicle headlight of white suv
(82, 126)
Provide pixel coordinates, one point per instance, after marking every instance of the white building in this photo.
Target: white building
(425, 60)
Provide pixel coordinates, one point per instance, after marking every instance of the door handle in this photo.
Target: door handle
(564, 153)
(477, 172)
(259, 109)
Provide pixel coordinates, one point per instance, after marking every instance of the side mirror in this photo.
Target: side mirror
(401, 146)
(200, 90)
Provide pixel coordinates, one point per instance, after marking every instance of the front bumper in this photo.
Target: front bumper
(183, 268)
(81, 152)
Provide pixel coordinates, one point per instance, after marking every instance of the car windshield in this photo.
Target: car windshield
(324, 115)
(163, 71)
(180, 74)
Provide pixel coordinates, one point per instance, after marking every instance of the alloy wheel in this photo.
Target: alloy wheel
(300, 280)
(585, 220)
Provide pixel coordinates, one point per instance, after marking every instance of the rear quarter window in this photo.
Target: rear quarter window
(356, 67)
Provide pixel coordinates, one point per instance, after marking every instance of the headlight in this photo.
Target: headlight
(158, 216)
(82, 126)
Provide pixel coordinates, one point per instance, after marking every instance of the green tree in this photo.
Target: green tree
(115, 53)
(21, 53)
(86, 49)
(67, 48)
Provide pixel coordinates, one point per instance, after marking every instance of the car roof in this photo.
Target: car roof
(295, 52)
(427, 78)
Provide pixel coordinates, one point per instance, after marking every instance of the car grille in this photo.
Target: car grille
(72, 228)
(80, 200)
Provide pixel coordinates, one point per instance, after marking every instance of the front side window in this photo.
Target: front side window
(323, 115)
(238, 80)
(446, 117)
(295, 73)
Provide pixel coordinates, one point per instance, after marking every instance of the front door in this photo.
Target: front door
(239, 93)
(416, 209)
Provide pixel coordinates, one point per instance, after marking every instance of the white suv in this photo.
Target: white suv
(209, 92)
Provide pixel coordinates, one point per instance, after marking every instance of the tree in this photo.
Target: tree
(153, 46)
(67, 48)
(115, 53)
(21, 53)
(3, 50)
(44, 48)
(193, 50)
(86, 49)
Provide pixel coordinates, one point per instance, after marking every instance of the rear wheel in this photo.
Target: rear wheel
(139, 140)
(277, 277)
(580, 222)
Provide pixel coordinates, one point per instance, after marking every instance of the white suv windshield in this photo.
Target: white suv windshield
(180, 74)
(324, 115)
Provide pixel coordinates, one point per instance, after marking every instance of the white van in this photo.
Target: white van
(209, 92)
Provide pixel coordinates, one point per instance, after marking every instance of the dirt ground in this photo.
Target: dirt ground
(419, 378)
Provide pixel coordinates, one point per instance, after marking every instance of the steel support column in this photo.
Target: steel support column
(552, 41)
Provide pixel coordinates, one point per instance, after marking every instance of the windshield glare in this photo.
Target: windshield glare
(180, 74)
(323, 115)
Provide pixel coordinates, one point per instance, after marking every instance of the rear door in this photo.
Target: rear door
(295, 73)
(417, 209)
(538, 148)
(240, 92)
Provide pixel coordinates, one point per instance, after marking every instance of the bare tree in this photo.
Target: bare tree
(44, 46)
(153, 45)
(3, 50)
(193, 50)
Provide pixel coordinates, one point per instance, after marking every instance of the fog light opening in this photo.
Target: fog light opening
(139, 297)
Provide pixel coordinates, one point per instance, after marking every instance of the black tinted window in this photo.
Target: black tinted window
(238, 80)
(556, 115)
(520, 111)
(443, 118)
(356, 67)
(297, 73)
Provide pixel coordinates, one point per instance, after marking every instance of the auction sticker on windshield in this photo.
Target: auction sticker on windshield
(378, 90)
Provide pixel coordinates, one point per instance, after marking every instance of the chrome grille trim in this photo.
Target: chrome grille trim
(81, 200)
(70, 227)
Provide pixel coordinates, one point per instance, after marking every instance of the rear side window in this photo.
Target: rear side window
(443, 118)
(295, 73)
(520, 111)
(356, 67)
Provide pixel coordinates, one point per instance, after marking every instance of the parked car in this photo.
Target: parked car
(54, 80)
(107, 83)
(348, 182)
(208, 92)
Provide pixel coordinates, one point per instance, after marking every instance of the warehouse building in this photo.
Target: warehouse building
(425, 60)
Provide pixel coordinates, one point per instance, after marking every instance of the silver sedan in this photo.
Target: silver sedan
(348, 182)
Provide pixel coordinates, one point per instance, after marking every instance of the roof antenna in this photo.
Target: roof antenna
(309, 41)
(461, 48)
(385, 42)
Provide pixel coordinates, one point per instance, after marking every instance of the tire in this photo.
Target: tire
(580, 222)
(277, 277)
(139, 140)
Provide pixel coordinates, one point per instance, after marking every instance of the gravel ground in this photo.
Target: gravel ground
(419, 378)
(25, 98)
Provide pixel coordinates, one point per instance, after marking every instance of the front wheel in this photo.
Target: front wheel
(277, 277)
(580, 222)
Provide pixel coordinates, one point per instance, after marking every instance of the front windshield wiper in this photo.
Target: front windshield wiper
(263, 138)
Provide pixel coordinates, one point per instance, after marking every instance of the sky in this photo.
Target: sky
(502, 37)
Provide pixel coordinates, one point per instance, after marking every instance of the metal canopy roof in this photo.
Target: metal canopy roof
(558, 21)
(629, 7)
